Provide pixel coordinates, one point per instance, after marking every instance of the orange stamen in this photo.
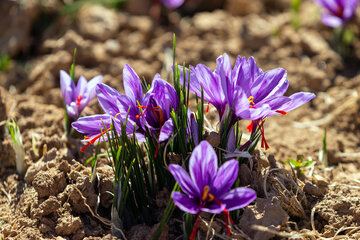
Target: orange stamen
(78, 100)
(205, 193)
(251, 101)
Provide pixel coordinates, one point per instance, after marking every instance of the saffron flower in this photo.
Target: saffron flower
(140, 111)
(158, 103)
(172, 4)
(207, 187)
(337, 12)
(77, 97)
(245, 91)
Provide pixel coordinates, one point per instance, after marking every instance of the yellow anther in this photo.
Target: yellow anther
(211, 197)
(205, 193)
(251, 100)
(117, 115)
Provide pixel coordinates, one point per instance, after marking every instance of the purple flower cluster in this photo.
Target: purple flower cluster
(139, 110)
(240, 92)
(337, 12)
(245, 91)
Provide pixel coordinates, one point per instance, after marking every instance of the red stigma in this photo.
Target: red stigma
(250, 126)
(208, 108)
(92, 140)
(264, 144)
(281, 112)
(78, 100)
(192, 236)
(158, 113)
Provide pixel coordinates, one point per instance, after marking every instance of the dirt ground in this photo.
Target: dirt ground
(56, 199)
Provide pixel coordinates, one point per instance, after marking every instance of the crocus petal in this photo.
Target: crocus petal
(185, 203)
(230, 146)
(89, 93)
(297, 99)
(72, 110)
(214, 208)
(194, 130)
(349, 8)
(91, 125)
(81, 92)
(92, 86)
(242, 107)
(213, 91)
(67, 87)
(331, 20)
(237, 153)
(164, 94)
(238, 198)
(132, 84)
(226, 177)
(172, 4)
(166, 130)
(275, 102)
(108, 98)
(268, 82)
(203, 164)
(81, 87)
(184, 180)
(245, 73)
(223, 70)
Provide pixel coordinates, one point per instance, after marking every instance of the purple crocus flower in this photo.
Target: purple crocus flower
(117, 108)
(172, 4)
(151, 110)
(77, 97)
(245, 91)
(207, 187)
(158, 103)
(337, 12)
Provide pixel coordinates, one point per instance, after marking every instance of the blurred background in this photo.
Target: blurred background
(38, 37)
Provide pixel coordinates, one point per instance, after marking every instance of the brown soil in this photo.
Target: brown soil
(56, 198)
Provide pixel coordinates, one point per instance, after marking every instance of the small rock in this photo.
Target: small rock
(244, 7)
(213, 139)
(261, 158)
(210, 21)
(86, 188)
(272, 161)
(139, 232)
(39, 165)
(163, 235)
(49, 182)
(244, 175)
(98, 22)
(265, 212)
(334, 157)
(313, 43)
(320, 181)
(257, 32)
(314, 190)
(68, 224)
(49, 206)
